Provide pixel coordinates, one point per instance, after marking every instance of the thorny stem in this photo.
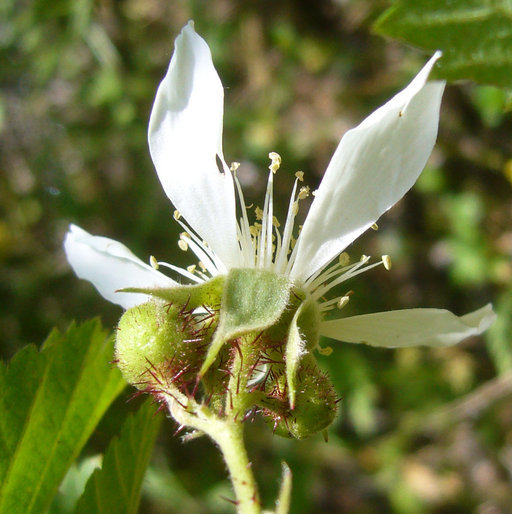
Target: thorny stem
(228, 434)
(227, 429)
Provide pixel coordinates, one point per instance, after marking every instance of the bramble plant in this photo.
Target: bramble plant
(240, 332)
(242, 338)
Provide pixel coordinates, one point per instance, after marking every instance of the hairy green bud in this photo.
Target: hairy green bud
(315, 404)
(146, 338)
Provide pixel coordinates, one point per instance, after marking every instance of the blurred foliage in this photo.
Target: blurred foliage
(420, 430)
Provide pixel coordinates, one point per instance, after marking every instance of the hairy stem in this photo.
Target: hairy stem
(231, 444)
(228, 434)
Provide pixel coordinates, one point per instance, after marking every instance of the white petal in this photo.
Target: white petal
(409, 327)
(185, 140)
(110, 266)
(375, 164)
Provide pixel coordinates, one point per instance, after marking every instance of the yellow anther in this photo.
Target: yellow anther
(234, 166)
(303, 192)
(275, 222)
(375, 226)
(275, 161)
(344, 259)
(176, 215)
(386, 260)
(324, 351)
(293, 241)
(191, 268)
(259, 213)
(153, 262)
(300, 176)
(202, 266)
(343, 301)
(295, 208)
(314, 192)
(364, 258)
(183, 245)
(254, 231)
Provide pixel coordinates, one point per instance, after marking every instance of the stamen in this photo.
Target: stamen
(303, 192)
(375, 227)
(300, 176)
(181, 271)
(176, 215)
(183, 245)
(276, 161)
(191, 268)
(386, 260)
(287, 239)
(234, 167)
(246, 241)
(153, 262)
(344, 258)
(342, 302)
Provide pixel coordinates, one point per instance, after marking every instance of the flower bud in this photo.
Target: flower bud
(315, 404)
(154, 344)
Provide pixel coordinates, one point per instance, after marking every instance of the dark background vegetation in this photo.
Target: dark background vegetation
(419, 430)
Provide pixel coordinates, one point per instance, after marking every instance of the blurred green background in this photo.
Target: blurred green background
(419, 430)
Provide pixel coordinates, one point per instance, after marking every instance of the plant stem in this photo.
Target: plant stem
(231, 444)
(229, 436)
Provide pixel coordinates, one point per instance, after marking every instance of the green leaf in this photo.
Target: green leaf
(253, 299)
(116, 487)
(474, 35)
(208, 293)
(51, 402)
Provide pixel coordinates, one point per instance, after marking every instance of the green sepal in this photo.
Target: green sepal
(252, 300)
(302, 338)
(285, 491)
(207, 293)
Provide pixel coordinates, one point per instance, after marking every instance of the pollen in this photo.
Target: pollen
(275, 222)
(344, 259)
(191, 268)
(275, 163)
(325, 351)
(303, 192)
(234, 166)
(386, 260)
(343, 301)
(153, 262)
(300, 176)
(258, 211)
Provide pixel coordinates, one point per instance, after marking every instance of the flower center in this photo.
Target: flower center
(264, 245)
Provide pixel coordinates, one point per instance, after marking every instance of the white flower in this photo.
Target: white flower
(375, 164)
